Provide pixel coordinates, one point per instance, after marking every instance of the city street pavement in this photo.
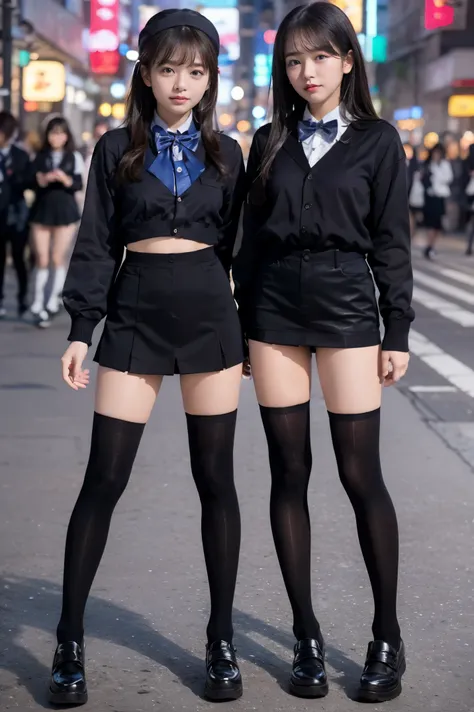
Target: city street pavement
(147, 613)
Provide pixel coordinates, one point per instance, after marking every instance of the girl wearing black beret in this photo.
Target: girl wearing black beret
(166, 190)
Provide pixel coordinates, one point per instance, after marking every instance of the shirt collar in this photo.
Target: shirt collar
(158, 121)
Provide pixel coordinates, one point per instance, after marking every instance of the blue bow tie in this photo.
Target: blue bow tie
(187, 142)
(308, 128)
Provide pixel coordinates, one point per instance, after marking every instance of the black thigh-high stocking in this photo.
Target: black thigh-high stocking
(113, 448)
(289, 448)
(211, 447)
(356, 446)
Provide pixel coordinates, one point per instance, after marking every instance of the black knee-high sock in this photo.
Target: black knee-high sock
(289, 447)
(211, 447)
(113, 448)
(356, 446)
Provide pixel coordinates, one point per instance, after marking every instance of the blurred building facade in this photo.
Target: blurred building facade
(428, 81)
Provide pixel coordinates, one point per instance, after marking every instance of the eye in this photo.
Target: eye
(197, 73)
(166, 70)
(321, 57)
(293, 62)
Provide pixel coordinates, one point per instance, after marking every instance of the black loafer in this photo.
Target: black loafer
(223, 680)
(68, 679)
(382, 676)
(308, 678)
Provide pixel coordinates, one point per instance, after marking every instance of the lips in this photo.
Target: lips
(179, 98)
(313, 87)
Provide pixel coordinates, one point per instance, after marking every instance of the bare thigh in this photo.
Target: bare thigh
(282, 374)
(62, 239)
(211, 393)
(350, 379)
(126, 396)
(41, 238)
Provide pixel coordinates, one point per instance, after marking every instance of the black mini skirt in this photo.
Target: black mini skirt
(316, 299)
(171, 314)
(55, 209)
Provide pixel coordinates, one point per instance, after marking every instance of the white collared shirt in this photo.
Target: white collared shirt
(316, 146)
(158, 121)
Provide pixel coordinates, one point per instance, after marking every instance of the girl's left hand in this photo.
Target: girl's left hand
(393, 366)
(61, 176)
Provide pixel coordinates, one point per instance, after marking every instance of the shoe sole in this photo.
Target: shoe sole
(367, 695)
(67, 698)
(312, 691)
(219, 695)
(373, 696)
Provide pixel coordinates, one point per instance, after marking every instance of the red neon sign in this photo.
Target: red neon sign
(104, 36)
(438, 13)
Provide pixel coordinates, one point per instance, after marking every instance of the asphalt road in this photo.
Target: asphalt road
(147, 614)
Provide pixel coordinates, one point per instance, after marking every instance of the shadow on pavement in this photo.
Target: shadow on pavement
(349, 671)
(35, 603)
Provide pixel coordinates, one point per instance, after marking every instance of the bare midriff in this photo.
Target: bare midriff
(166, 245)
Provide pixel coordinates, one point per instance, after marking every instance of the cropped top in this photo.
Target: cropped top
(120, 212)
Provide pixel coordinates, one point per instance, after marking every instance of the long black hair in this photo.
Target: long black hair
(318, 26)
(179, 45)
(59, 122)
(438, 148)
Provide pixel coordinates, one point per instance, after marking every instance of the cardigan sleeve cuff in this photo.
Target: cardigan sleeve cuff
(82, 330)
(396, 335)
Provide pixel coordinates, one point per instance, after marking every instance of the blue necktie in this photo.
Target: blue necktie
(167, 169)
(309, 127)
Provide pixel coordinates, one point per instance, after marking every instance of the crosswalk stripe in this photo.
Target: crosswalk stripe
(458, 276)
(440, 286)
(444, 307)
(443, 363)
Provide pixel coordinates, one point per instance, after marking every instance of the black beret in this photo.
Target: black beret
(178, 18)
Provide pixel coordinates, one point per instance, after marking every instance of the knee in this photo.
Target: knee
(214, 486)
(105, 486)
(291, 479)
(42, 261)
(57, 260)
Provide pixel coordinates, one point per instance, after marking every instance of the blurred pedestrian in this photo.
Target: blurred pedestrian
(56, 172)
(328, 194)
(470, 200)
(14, 163)
(100, 128)
(415, 187)
(437, 176)
(169, 188)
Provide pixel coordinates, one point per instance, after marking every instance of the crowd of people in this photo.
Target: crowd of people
(41, 185)
(441, 192)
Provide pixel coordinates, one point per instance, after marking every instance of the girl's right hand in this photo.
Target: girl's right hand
(246, 369)
(42, 180)
(72, 361)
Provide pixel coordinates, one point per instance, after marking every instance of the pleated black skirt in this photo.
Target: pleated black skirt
(171, 314)
(433, 212)
(316, 299)
(56, 208)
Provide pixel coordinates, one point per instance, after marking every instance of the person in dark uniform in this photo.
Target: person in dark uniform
(56, 176)
(437, 176)
(327, 204)
(469, 190)
(14, 164)
(169, 189)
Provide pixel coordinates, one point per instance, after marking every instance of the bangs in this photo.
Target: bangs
(57, 124)
(183, 46)
(304, 38)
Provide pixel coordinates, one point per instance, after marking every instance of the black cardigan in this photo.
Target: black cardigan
(354, 199)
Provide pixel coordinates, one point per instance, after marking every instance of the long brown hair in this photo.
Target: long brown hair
(325, 27)
(179, 45)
